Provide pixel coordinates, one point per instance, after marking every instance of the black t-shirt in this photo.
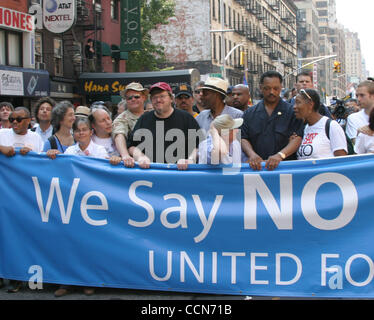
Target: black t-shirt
(165, 140)
(270, 134)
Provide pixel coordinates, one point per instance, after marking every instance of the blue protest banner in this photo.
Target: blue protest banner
(303, 230)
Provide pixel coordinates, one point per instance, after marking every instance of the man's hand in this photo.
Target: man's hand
(273, 162)
(115, 160)
(255, 161)
(182, 164)
(144, 162)
(128, 161)
(7, 151)
(24, 150)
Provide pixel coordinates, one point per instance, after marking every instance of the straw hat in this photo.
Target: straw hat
(216, 84)
(82, 111)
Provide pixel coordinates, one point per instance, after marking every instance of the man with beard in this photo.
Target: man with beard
(269, 125)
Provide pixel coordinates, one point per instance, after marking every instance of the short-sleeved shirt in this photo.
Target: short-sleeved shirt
(165, 140)
(205, 117)
(124, 124)
(32, 140)
(317, 145)
(270, 134)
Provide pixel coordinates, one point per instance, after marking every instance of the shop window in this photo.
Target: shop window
(58, 56)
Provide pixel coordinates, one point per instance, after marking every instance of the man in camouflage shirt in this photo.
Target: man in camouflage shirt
(135, 96)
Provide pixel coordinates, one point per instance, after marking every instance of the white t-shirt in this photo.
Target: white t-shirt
(317, 145)
(364, 144)
(355, 121)
(93, 150)
(107, 143)
(32, 140)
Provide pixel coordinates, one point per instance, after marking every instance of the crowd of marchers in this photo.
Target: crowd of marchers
(208, 123)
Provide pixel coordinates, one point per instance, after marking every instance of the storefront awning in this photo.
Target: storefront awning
(103, 48)
(26, 82)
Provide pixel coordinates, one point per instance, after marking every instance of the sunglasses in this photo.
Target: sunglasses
(304, 92)
(133, 97)
(18, 119)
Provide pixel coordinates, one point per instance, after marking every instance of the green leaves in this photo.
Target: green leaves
(153, 14)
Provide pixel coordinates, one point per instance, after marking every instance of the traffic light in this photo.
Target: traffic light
(242, 57)
(337, 66)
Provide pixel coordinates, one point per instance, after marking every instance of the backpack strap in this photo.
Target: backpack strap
(52, 141)
(327, 128)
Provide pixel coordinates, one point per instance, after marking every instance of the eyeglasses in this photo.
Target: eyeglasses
(18, 119)
(304, 92)
(198, 91)
(133, 97)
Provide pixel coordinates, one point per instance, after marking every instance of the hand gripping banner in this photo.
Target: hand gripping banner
(303, 230)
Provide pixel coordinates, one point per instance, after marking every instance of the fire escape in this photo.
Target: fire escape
(88, 25)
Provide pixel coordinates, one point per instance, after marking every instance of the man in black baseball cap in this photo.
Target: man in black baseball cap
(184, 98)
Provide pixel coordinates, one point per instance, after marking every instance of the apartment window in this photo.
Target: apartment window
(14, 46)
(38, 48)
(219, 10)
(58, 56)
(2, 47)
(220, 48)
(230, 24)
(114, 11)
(214, 47)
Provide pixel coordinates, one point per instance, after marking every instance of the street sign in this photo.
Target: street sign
(130, 26)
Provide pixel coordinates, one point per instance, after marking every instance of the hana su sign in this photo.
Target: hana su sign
(97, 87)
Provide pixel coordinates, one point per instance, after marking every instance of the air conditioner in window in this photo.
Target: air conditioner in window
(40, 65)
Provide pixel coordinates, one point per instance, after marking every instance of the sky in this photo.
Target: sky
(357, 16)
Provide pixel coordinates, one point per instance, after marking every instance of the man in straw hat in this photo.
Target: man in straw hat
(268, 126)
(214, 94)
(135, 96)
(221, 145)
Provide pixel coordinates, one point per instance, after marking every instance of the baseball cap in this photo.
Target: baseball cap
(161, 85)
(183, 89)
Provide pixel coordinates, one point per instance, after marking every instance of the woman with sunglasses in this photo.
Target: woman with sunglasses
(62, 121)
(320, 140)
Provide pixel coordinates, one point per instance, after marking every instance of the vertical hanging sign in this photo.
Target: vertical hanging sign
(130, 25)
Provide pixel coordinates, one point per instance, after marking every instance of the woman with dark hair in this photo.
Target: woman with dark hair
(62, 121)
(365, 138)
(322, 138)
